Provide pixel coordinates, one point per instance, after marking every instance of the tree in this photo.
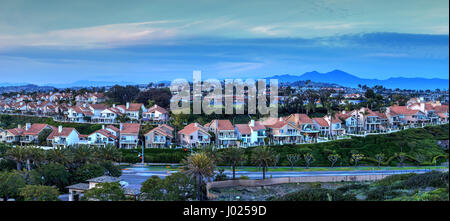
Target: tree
(176, 187)
(51, 174)
(87, 171)
(105, 192)
(60, 155)
(10, 183)
(18, 154)
(380, 158)
(108, 153)
(420, 158)
(308, 157)
(39, 193)
(263, 157)
(293, 158)
(356, 157)
(199, 166)
(82, 154)
(401, 157)
(233, 155)
(365, 113)
(333, 158)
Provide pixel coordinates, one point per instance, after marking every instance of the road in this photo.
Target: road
(137, 175)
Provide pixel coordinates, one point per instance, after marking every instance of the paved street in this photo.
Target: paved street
(136, 175)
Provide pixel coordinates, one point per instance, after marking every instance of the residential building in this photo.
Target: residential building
(194, 135)
(129, 135)
(160, 136)
(66, 136)
(224, 131)
(251, 134)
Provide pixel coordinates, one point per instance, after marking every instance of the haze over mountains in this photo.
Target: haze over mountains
(337, 77)
(349, 80)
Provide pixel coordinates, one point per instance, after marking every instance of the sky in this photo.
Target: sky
(58, 41)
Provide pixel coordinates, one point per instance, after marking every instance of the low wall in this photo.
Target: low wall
(302, 179)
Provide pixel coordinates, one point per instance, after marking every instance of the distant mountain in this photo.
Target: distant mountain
(91, 84)
(348, 80)
(27, 88)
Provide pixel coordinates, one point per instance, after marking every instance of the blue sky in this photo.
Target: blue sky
(51, 41)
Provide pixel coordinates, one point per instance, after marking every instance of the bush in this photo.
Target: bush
(430, 179)
(316, 195)
(355, 186)
(381, 193)
(87, 171)
(243, 177)
(111, 169)
(389, 180)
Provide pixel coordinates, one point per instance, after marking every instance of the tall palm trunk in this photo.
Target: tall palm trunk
(264, 172)
(234, 170)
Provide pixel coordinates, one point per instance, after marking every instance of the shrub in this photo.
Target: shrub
(243, 177)
(316, 195)
(430, 179)
(389, 180)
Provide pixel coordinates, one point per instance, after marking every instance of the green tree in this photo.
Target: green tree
(379, 157)
(233, 155)
(176, 187)
(199, 166)
(333, 158)
(51, 174)
(263, 157)
(105, 192)
(10, 183)
(39, 193)
(87, 171)
(309, 158)
(18, 154)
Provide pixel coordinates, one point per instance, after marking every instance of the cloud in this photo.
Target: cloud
(105, 36)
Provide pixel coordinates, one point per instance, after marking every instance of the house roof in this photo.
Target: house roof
(258, 126)
(130, 128)
(321, 122)
(115, 129)
(104, 179)
(35, 129)
(243, 128)
(278, 124)
(402, 110)
(105, 133)
(160, 131)
(99, 106)
(191, 128)
(157, 108)
(132, 107)
(15, 131)
(300, 118)
(66, 131)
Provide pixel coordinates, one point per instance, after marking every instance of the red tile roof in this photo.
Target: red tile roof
(191, 128)
(157, 108)
(132, 107)
(321, 122)
(66, 131)
(243, 128)
(35, 129)
(402, 110)
(258, 126)
(129, 128)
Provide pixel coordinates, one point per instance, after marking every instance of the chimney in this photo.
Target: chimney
(103, 126)
(196, 124)
(27, 126)
(114, 105)
(343, 111)
(60, 129)
(128, 105)
(252, 123)
(121, 126)
(281, 119)
(19, 126)
(84, 105)
(422, 107)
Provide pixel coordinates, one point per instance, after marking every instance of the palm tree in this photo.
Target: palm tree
(108, 152)
(199, 166)
(33, 155)
(17, 154)
(60, 155)
(365, 112)
(331, 114)
(82, 154)
(234, 155)
(264, 157)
